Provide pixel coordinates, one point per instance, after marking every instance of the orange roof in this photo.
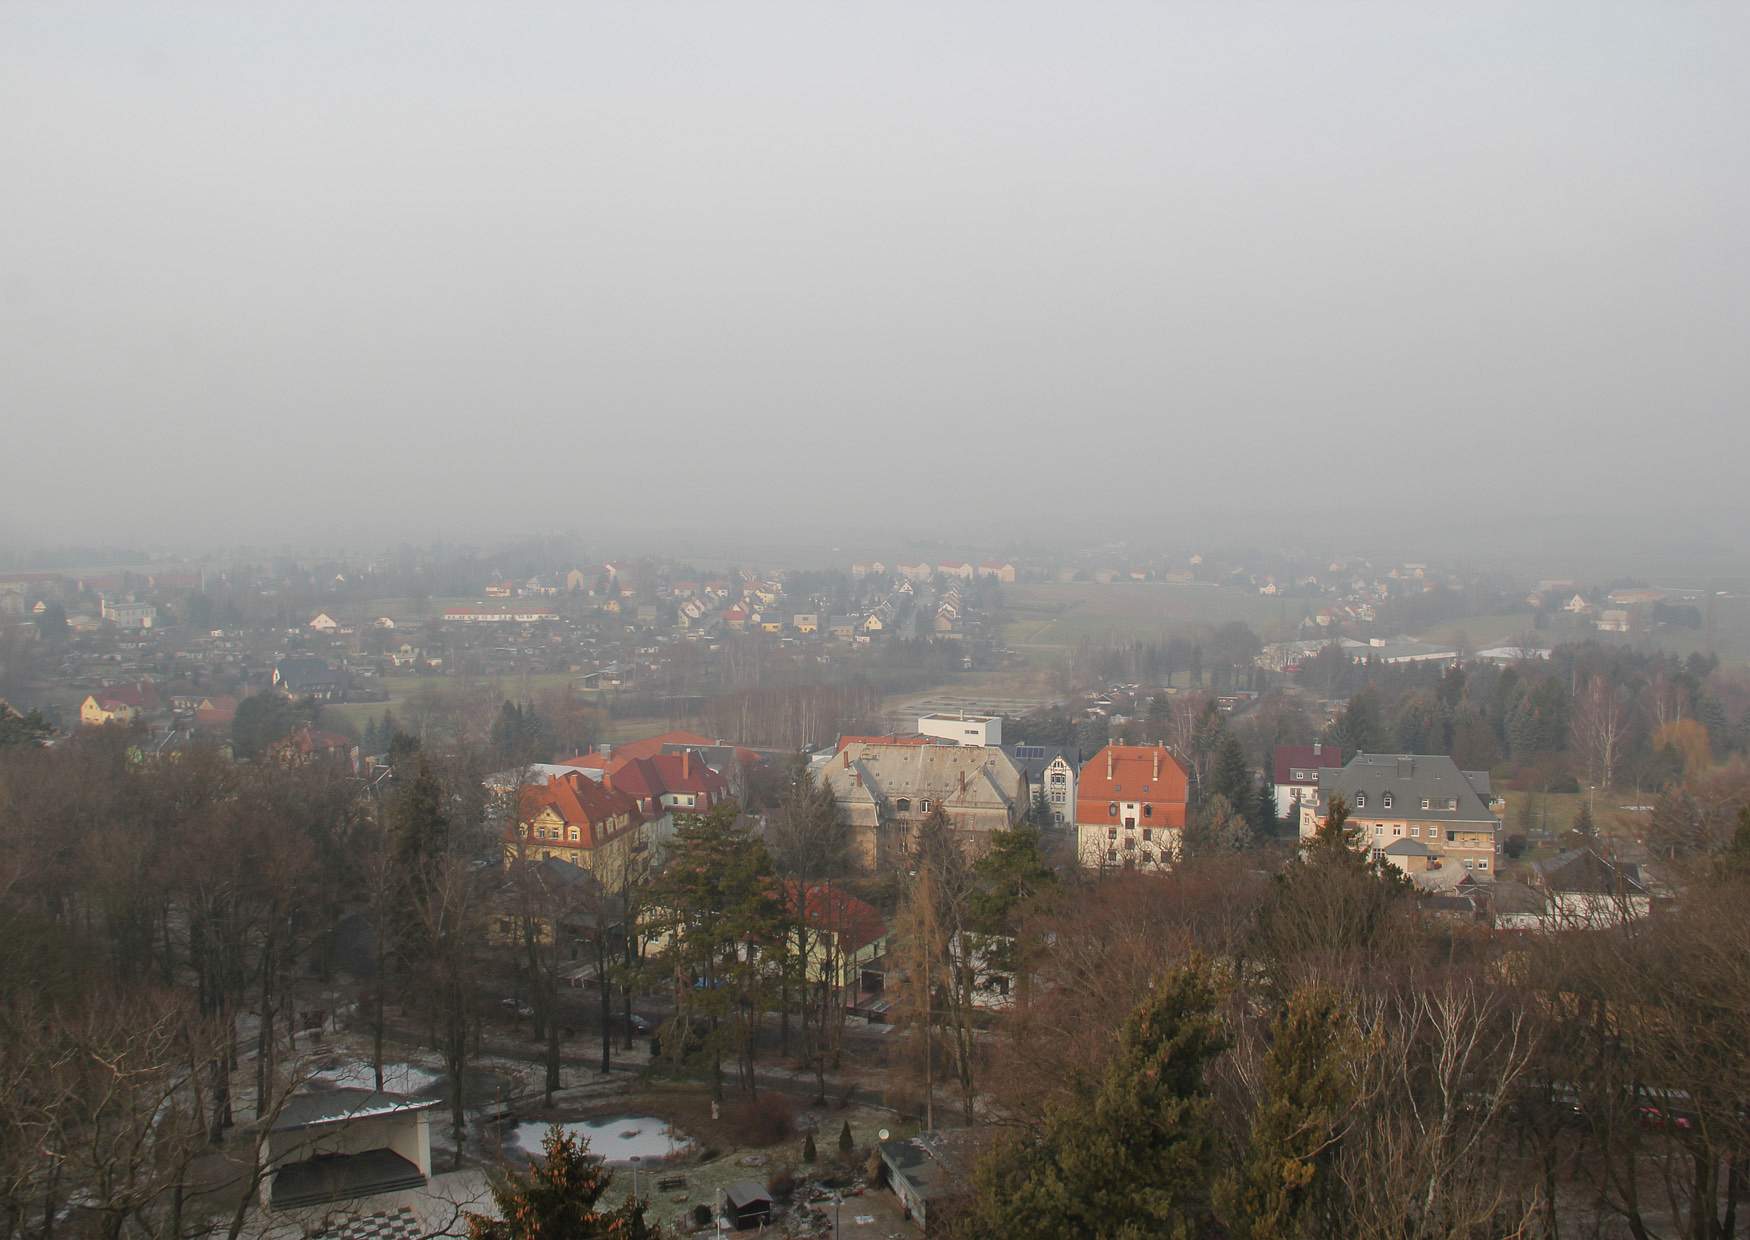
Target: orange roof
(648, 747)
(581, 802)
(833, 910)
(1146, 773)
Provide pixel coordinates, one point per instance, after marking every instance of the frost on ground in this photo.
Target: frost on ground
(618, 1138)
(398, 1078)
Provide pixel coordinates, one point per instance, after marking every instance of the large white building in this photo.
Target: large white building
(963, 729)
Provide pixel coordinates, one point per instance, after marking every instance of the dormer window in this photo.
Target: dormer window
(1111, 809)
(903, 805)
(1386, 801)
(924, 805)
(1360, 800)
(1148, 811)
(1424, 802)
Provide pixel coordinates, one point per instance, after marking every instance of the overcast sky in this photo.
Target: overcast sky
(269, 269)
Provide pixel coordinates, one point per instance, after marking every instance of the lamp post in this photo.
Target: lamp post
(838, 1204)
(635, 1158)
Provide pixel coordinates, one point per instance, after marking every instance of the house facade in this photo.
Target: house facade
(1295, 774)
(1419, 812)
(1051, 772)
(1130, 808)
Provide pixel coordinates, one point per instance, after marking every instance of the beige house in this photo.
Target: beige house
(886, 791)
(1419, 812)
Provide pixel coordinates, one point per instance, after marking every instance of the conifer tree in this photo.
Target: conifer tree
(1285, 1187)
(1133, 1155)
(557, 1199)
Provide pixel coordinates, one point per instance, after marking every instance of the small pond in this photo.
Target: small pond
(617, 1138)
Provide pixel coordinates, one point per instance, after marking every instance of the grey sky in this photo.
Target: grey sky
(473, 268)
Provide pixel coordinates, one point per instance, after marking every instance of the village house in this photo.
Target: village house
(845, 935)
(1584, 890)
(573, 818)
(1295, 775)
(886, 792)
(1051, 772)
(309, 679)
(1130, 807)
(1419, 812)
(119, 704)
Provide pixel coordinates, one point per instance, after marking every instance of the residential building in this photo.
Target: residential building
(129, 615)
(1295, 774)
(1051, 773)
(322, 622)
(1004, 572)
(119, 704)
(962, 728)
(573, 818)
(886, 792)
(309, 678)
(845, 934)
(1130, 807)
(1613, 620)
(512, 613)
(1585, 890)
(1418, 811)
(308, 744)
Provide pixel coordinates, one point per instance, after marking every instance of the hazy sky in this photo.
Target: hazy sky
(383, 269)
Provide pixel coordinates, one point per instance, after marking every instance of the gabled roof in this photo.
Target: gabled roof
(1135, 773)
(1408, 848)
(581, 802)
(1303, 757)
(643, 748)
(954, 776)
(833, 910)
(1581, 871)
(666, 774)
(336, 1106)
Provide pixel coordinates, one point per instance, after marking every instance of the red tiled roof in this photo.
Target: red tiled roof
(834, 910)
(1287, 757)
(667, 774)
(647, 747)
(581, 802)
(1148, 773)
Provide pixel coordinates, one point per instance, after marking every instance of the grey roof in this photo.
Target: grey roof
(745, 1193)
(1408, 848)
(1583, 871)
(301, 671)
(957, 776)
(1033, 759)
(334, 1106)
(1508, 897)
(1409, 778)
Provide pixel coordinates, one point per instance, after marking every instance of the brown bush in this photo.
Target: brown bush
(767, 1120)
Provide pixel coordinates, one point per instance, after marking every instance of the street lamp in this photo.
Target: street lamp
(635, 1158)
(838, 1204)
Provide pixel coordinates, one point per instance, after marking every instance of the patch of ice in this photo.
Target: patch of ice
(618, 1138)
(398, 1078)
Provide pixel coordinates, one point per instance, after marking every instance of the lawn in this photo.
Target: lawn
(1044, 620)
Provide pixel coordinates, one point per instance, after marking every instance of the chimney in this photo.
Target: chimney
(608, 780)
(845, 753)
(686, 763)
(1157, 774)
(857, 776)
(1108, 762)
(962, 783)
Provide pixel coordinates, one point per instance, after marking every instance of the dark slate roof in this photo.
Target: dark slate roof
(1581, 870)
(333, 1106)
(745, 1193)
(1409, 778)
(1033, 759)
(1408, 848)
(302, 671)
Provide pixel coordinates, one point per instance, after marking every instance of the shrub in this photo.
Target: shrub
(1514, 845)
(782, 1184)
(768, 1120)
(701, 1215)
(846, 1145)
(808, 1154)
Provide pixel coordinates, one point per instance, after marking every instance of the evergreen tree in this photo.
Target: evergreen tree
(1217, 827)
(1134, 1154)
(1285, 1187)
(808, 1151)
(1359, 729)
(1583, 824)
(1264, 820)
(557, 1199)
(846, 1142)
(1233, 775)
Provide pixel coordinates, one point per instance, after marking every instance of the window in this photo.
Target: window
(1058, 777)
(1130, 823)
(1129, 845)
(1397, 831)
(1386, 801)
(1148, 811)
(1452, 837)
(1378, 830)
(574, 835)
(1111, 833)
(1415, 833)
(924, 805)
(1360, 800)
(1111, 809)
(1469, 864)
(1111, 854)
(1482, 865)
(903, 805)
(1148, 833)
(1424, 802)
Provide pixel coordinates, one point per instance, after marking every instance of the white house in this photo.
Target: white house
(324, 623)
(963, 729)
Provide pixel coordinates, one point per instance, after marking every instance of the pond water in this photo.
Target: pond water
(616, 1138)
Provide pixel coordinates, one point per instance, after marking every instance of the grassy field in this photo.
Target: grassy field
(1482, 632)
(402, 688)
(1046, 620)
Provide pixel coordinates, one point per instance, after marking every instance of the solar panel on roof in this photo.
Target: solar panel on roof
(1029, 751)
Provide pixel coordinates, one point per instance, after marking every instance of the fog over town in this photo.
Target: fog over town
(962, 620)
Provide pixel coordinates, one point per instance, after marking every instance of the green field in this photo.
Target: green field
(1043, 621)
(402, 688)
